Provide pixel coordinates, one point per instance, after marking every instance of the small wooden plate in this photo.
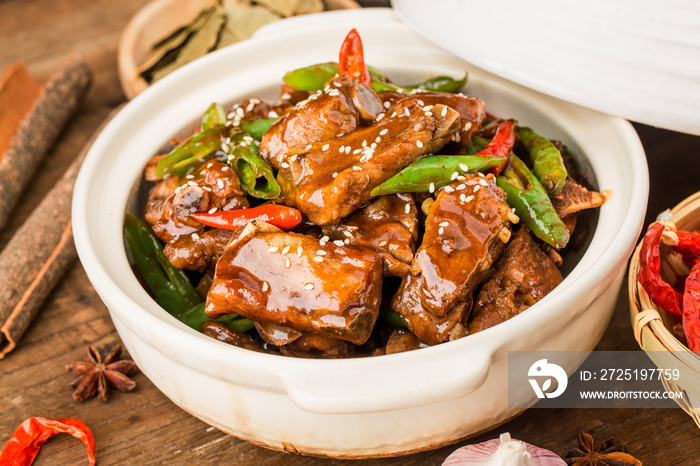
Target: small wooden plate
(155, 21)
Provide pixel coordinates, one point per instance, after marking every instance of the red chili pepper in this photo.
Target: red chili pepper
(649, 274)
(688, 243)
(280, 216)
(501, 145)
(352, 58)
(691, 309)
(25, 443)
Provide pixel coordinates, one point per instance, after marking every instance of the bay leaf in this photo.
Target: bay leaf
(173, 41)
(285, 8)
(199, 44)
(244, 21)
(309, 6)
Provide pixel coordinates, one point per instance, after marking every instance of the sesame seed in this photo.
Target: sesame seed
(347, 241)
(287, 263)
(255, 101)
(325, 147)
(347, 233)
(265, 287)
(206, 188)
(299, 251)
(469, 198)
(441, 231)
(189, 177)
(460, 187)
(286, 96)
(477, 188)
(338, 242)
(382, 244)
(285, 250)
(380, 116)
(406, 112)
(373, 146)
(240, 112)
(428, 113)
(177, 190)
(483, 183)
(212, 210)
(457, 137)
(308, 147)
(454, 176)
(444, 111)
(342, 149)
(393, 115)
(284, 165)
(273, 249)
(192, 183)
(407, 208)
(378, 139)
(272, 114)
(431, 188)
(387, 104)
(419, 144)
(383, 132)
(356, 168)
(325, 239)
(348, 149)
(320, 252)
(318, 259)
(467, 126)
(420, 102)
(462, 197)
(461, 178)
(481, 174)
(443, 224)
(250, 107)
(335, 174)
(464, 167)
(224, 169)
(449, 189)
(309, 286)
(210, 164)
(357, 151)
(195, 236)
(220, 183)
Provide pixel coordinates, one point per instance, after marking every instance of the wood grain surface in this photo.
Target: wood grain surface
(144, 427)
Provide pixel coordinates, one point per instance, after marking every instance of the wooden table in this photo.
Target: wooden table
(144, 427)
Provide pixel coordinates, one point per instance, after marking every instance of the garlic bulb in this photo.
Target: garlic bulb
(503, 451)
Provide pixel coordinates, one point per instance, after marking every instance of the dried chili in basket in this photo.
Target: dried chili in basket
(26, 441)
(649, 274)
(691, 309)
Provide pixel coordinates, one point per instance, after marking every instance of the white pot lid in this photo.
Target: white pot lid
(637, 59)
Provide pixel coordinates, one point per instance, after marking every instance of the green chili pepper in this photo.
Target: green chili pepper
(213, 117)
(196, 150)
(171, 286)
(195, 316)
(436, 170)
(392, 317)
(256, 128)
(314, 77)
(254, 173)
(548, 164)
(531, 203)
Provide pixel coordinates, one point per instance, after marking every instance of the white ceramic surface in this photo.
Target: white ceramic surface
(380, 406)
(637, 59)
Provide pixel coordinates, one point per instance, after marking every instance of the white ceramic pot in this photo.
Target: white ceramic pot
(381, 406)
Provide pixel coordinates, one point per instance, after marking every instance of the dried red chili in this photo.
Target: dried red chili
(26, 441)
(280, 216)
(691, 309)
(688, 243)
(501, 145)
(352, 58)
(649, 274)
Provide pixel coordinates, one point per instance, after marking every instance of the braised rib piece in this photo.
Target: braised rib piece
(389, 225)
(523, 276)
(317, 346)
(464, 234)
(333, 112)
(333, 179)
(292, 280)
(471, 112)
(198, 251)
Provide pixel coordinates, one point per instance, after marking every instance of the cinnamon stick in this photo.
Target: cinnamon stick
(39, 130)
(37, 256)
(18, 92)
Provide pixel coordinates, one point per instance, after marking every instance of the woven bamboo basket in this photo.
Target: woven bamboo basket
(657, 333)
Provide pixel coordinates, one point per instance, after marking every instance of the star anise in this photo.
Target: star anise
(607, 454)
(97, 376)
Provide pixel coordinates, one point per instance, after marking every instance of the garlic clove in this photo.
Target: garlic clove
(503, 451)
